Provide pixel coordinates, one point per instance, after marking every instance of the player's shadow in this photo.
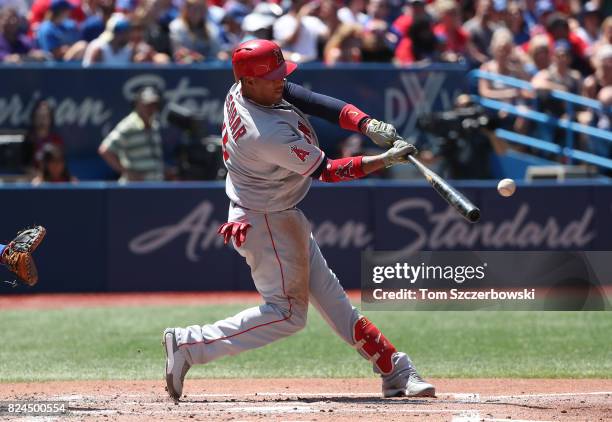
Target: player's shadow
(363, 400)
(329, 399)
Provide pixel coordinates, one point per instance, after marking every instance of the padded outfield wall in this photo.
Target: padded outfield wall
(105, 237)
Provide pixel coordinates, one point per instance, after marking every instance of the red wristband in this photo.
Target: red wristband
(351, 117)
(348, 168)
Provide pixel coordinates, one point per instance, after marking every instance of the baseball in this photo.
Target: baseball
(506, 187)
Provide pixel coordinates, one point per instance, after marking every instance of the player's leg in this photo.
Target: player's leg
(276, 249)
(329, 298)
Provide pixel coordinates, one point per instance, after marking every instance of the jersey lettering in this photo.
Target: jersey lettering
(235, 123)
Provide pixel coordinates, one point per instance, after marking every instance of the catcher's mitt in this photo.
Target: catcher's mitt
(17, 255)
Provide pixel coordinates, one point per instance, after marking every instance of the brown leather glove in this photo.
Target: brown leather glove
(17, 255)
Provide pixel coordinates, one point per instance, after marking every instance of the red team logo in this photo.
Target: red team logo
(301, 154)
(346, 171)
(279, 57)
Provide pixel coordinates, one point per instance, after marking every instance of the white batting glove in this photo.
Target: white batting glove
(398, 153)
(381, 133)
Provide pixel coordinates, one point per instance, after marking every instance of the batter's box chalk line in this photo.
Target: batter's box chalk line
(469, 416)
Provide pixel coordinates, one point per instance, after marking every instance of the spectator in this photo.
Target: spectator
(415, 9)
(53, 167)
(58, 35)
(143, 51)
(421, 44)
(539, 54)
(421, 38)
(590, 32)
(603, 120)
(558, 29)
(328, 13)
(40, 9)
(95, 24)
(134, 147)
(231, 23)
(194, 38)
(41, 132)
(154, 17)
(21, 7)
(480, 30)
(15, 47)
(259, 24)
(113, 46)
(449, 30)
(602, 77)
(530, 14)
(298, 32)
(504, 63)
(606, 36)
(559, 75)
(543, 10)
(378, 42)
(353, 12)
(344, 45)
(516, 23)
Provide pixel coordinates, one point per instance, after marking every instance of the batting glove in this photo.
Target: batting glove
(234, 229)
(398, 153)
(381, 133)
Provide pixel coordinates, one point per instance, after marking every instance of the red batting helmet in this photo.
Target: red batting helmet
(260, 59)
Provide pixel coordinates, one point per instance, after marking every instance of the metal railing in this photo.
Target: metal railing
(571, 102)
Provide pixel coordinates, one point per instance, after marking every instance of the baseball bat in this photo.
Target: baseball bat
(451, 195)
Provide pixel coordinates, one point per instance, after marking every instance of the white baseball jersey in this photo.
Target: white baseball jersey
(270, 153)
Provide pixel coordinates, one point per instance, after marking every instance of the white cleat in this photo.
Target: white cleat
(406, 382)
(176, 365)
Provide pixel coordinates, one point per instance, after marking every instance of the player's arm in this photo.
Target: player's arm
(288, 149)
(336, 111)
(350, 168)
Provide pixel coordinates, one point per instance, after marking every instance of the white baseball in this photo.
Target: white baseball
(506, 187)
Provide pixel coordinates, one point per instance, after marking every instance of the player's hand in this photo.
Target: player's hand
(234, 229)
(381, 133)
(398, 153)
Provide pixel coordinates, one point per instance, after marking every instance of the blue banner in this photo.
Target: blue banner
(103, 237)
(89, 103)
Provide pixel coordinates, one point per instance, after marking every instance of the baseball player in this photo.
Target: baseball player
(17, 255)
(272, 154)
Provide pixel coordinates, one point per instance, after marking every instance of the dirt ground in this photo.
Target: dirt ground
(459, 400)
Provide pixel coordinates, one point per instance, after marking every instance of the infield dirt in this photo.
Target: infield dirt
(325, 400)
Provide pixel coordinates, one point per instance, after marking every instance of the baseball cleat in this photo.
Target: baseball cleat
(406, 382)
(176, 365)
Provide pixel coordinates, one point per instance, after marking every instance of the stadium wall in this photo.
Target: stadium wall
(106, 237)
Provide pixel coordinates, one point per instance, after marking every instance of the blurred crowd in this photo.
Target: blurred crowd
(555, 44)
(524, 33)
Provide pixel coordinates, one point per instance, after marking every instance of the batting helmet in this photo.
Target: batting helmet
(260, 59)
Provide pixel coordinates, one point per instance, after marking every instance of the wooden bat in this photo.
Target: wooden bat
(451, 195)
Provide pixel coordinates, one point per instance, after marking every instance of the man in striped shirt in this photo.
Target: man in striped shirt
(134, 147)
